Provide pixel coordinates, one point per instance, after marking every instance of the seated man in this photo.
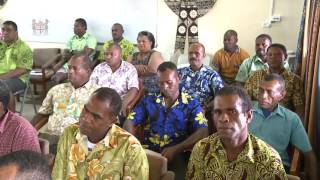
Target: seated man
(294, 97)
(24, 165)
(64, 102)
(279, 126)
(173, 121)
(81, 41)
(199, 80)
(227, 60)
(118, 75)
(127, 47)
(98, 149)
(16, 133)
(257, 61)
(231, 152)
(15, 58)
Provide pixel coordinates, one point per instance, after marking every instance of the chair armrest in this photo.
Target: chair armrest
(133, 103)
(59, 64)
(169, 175)
(295, 163)
(39, 124)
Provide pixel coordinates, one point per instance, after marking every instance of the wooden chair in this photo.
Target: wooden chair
(46, 61)
(135, 101)
(158, 166)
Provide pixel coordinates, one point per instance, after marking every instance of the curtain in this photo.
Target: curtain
(308, 55)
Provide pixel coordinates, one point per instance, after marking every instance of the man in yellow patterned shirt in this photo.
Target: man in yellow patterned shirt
(96, 148)
(127, 47)
(294, 95)
(233, 153)
(64, 102)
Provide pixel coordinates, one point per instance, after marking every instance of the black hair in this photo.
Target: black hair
(231, 32)
(118, 24)
(4, 94)
(275, 77)
(235, 90)
(11, 23)
(82, 21)
(280, 46)
(84, 57)
(167, 65)
(30, 165)
(149, 36)
(105, 94)
(264, 36)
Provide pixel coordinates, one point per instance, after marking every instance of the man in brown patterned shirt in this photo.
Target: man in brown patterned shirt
(233, 153)
(294, 95)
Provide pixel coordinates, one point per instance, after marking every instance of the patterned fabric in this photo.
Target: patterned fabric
(127, 48)
(257, 161)
(64, 104)
(118, 156)
(188, 13)
(16, 133)
(279, 129)
(150, 82)
(167, 127)
(251, 65)
(294, 88)
(124, 78)
(77, 43)
(16, 55)
(227, 64)
(201, 84)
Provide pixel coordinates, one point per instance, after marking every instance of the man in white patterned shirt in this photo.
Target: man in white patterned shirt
(117, 74)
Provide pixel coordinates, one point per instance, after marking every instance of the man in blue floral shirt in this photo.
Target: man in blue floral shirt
(199, 80)
(172, 121)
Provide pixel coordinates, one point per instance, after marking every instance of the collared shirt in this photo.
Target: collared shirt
(279, 129)
(127, 48)
(252, 65)
(77, 43)
(227, 64)
(200, 84)
(165, 127)
(257, 160)
(64, 104)
(122, 80)
(16, 55)
(16, 133)
(294, 89)
(118, 156)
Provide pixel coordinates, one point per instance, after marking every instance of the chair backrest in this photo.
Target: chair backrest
(42, 55)
(158, 166)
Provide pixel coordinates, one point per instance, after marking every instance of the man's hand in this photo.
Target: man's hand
(170, 152)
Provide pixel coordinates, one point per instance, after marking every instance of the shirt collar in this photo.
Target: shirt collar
(258, 109)
(183, 97)
(13, 44)
(247, 154)
(85, 36)
(4, 120)
(236, 51)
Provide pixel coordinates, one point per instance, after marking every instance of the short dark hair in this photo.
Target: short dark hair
(235, 90)
(82, 21)
(280, 46)
(30, 165)
(231, 32)
(167, 65)
(105, 94)
(118, 24)
(11, 23)
(4, 94)
(275, 77)
(117, 46)
(85, 59)
(264, 36)
(149, 36)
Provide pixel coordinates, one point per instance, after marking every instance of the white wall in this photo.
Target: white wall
(244, 16)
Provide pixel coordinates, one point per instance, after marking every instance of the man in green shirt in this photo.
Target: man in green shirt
(127, 47)
(15, 58)
(81, 41)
